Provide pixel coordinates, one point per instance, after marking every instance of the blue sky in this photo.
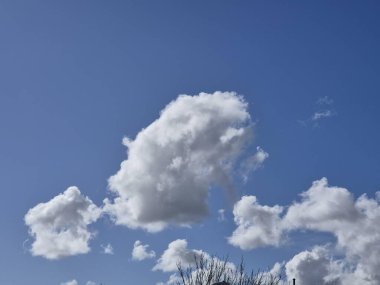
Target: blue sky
(78, 76)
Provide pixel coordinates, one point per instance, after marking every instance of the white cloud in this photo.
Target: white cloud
(72, 282)
(173, 162)
(107, 249)
(319, 266)
(324, 109)
(257, 225)
(254, 162)
(325, 100)
(276, 270)
(60, 227)
(177, 252)
(221, 215)
(323, 208)
(174, 279)
(140, 251)
(313, 267)
(355, 224)
(75, 282)
(322, 115)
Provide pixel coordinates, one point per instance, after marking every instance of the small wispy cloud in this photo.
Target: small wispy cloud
(71, 282)
(107, 249)
(322, 115)
(75, 282)
(221, 215)
(25, 245)
(326, 100)
(253, 163)
(324, 110)
(322, 208)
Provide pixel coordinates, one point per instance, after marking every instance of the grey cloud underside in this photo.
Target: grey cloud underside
(314, 267)
(172, 163)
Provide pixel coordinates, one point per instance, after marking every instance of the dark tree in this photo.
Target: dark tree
(208, 271)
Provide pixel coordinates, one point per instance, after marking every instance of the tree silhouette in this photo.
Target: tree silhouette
(211, 270)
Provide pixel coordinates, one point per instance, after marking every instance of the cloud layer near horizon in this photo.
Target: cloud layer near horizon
(324, 208)
(60, 226)
(173, 162)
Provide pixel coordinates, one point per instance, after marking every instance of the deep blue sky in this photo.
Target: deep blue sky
(76, 76)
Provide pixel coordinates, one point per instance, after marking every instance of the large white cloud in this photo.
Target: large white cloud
(173, 162)
(354, 223)
(140, 251)
(60, 226)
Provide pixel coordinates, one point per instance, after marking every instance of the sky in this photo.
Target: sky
(138, 133)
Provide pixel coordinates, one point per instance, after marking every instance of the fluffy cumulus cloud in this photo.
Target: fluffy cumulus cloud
(355, 224)
(60, 227)
(313, 267)
(320, 266)
(257, 225)
(178, 252)
(324, 208)
(140, 251)
(173, 162)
